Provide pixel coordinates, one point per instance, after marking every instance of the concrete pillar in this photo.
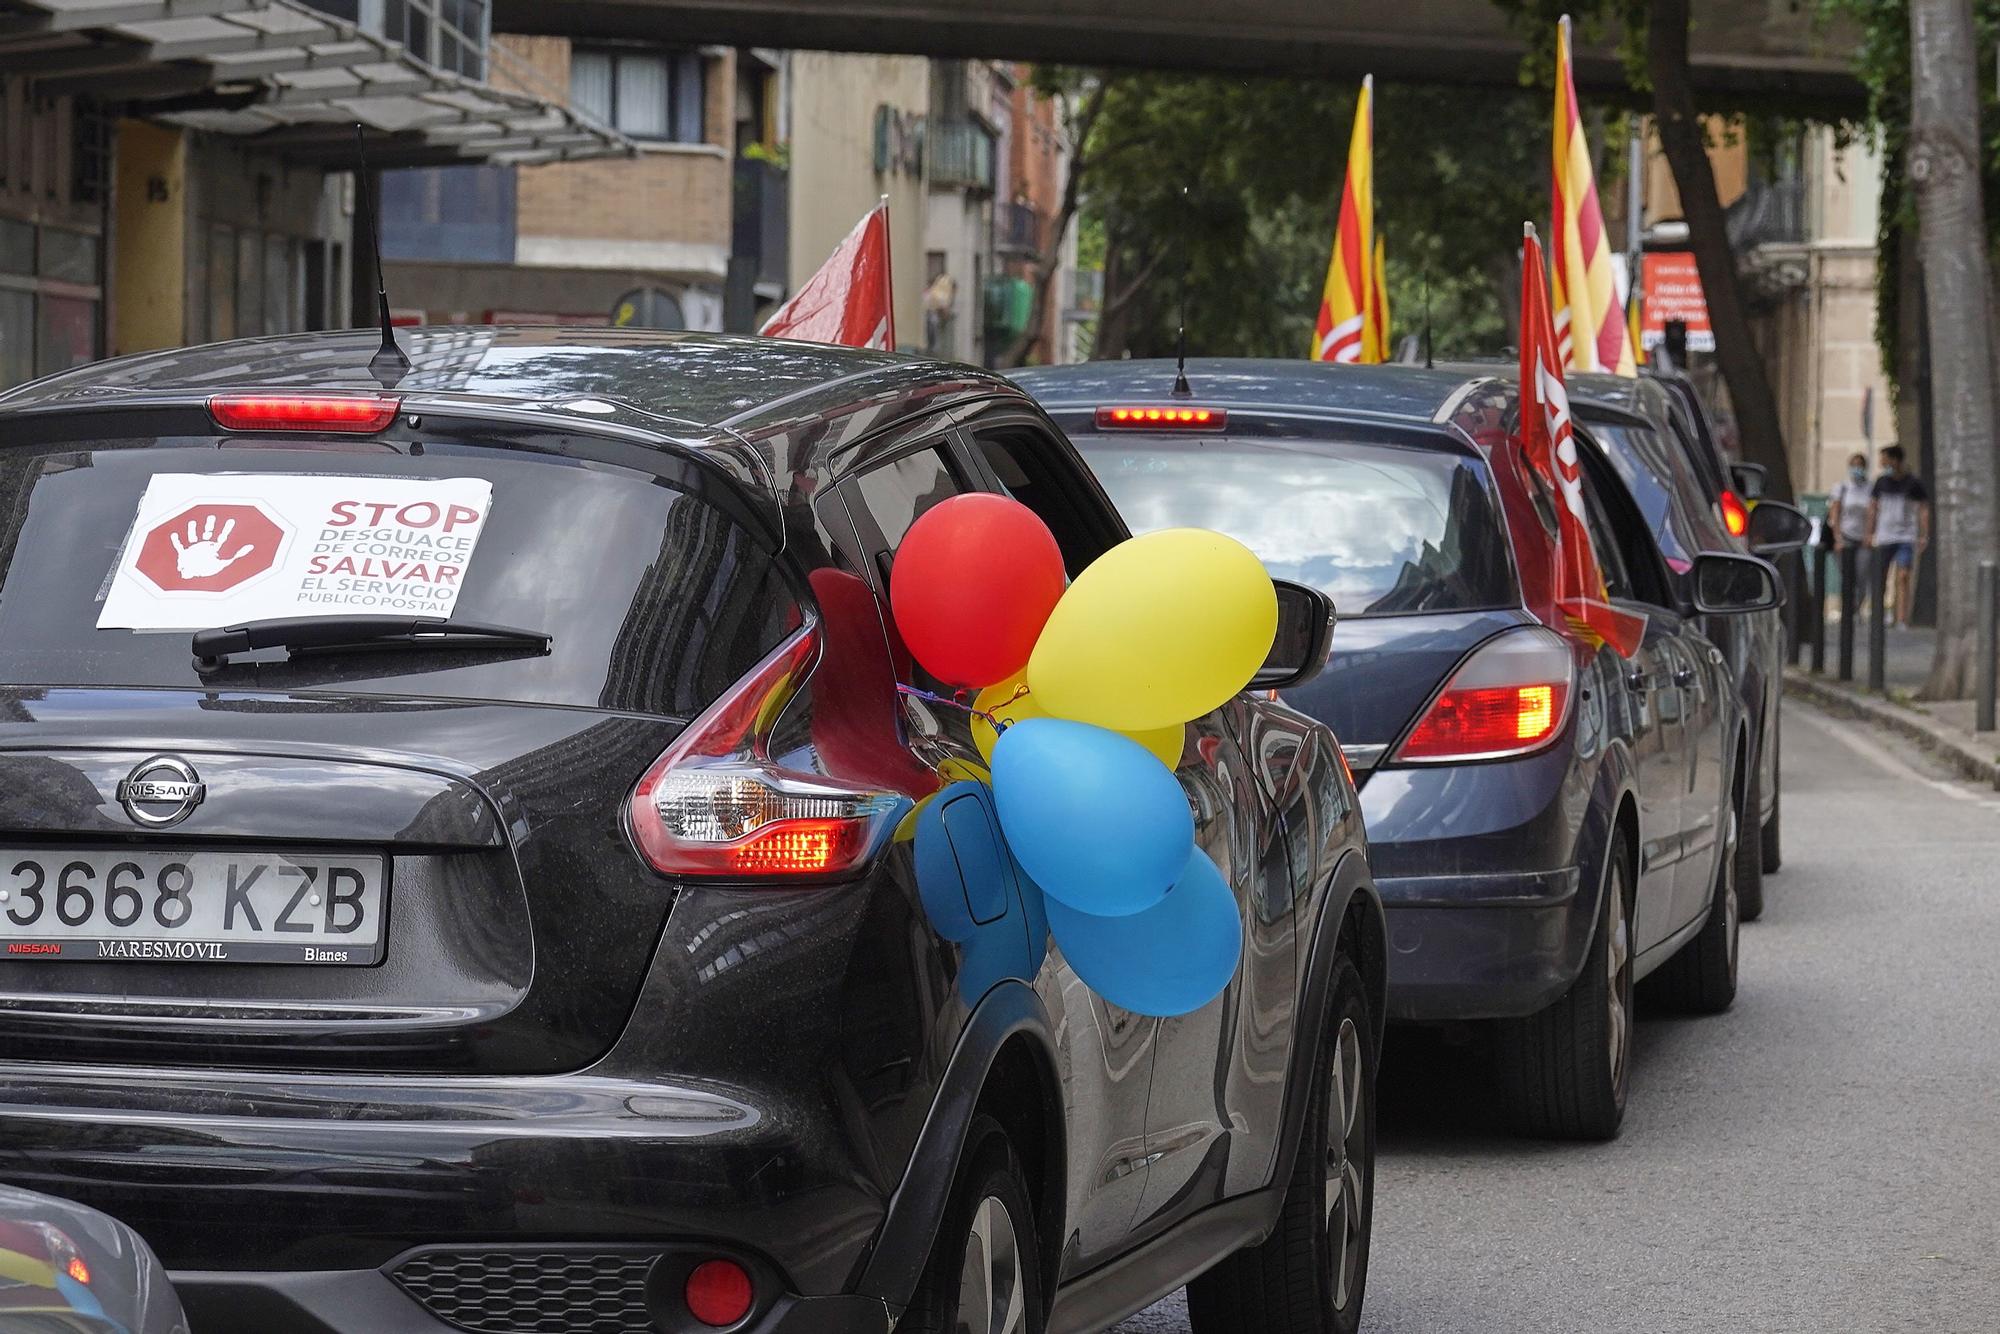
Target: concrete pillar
(149, 238)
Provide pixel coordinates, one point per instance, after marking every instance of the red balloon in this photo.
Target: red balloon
(973, 582)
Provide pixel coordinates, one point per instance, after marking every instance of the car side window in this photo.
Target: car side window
(1031, 469)
(1610, 560)
(896, 493)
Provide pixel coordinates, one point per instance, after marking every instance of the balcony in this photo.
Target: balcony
(1772, 213)
(1017, 229)
(760, 235)
(958, 155)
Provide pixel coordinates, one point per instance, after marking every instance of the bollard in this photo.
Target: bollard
(1989, 614)
(1818, 618)
(1878, 625)
(1850, 603)
(1794, 568)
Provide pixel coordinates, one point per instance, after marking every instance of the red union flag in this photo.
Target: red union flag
(848, 300)
(1548, 441)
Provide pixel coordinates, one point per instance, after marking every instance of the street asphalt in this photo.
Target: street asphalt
(1824, 1157)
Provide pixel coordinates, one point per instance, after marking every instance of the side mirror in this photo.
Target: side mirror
(1305, 634)
(1777, 528)
(1726, 584)
(1749, 480)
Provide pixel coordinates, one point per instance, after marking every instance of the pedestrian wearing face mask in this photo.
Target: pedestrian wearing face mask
(1846, 529)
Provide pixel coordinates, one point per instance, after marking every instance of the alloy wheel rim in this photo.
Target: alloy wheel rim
(1346, 1188)
(1617, 961)
(992, 1284)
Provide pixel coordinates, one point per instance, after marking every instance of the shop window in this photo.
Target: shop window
(66, 335)
(17, 336)
(90, 153)
(69, 257)
(646, 94)
(17, 247)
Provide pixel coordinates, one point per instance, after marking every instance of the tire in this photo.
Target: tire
(1750, 858)
(1290, 1284)
(986, 1253)
(1701, 976)
(1770, 835)
(1564, 1070)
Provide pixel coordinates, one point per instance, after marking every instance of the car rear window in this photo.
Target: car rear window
(654, 599)
(1382, 529)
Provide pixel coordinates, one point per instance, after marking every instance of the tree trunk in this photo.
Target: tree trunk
(1944, 166)
(1686, 148)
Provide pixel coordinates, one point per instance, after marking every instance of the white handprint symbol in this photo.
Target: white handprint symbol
(201, 554)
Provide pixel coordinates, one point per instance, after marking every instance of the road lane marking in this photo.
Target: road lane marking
(1884, 758)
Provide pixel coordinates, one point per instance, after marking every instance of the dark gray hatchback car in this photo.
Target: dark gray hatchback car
(515, 925)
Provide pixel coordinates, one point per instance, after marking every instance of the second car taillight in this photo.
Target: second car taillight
(1511, 697)
(717, 805)
(1735, 514)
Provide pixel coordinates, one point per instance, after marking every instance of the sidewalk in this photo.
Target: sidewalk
(1942, 727)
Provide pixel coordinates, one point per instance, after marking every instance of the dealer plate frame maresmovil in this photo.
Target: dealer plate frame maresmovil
(108, 904)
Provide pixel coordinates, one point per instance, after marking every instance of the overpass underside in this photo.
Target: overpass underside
(1743, 50)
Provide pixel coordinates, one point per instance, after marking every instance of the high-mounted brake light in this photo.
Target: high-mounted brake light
(358, 413)
(1735, 514)
(717, 805)
(1511, 697)
(1162, 417)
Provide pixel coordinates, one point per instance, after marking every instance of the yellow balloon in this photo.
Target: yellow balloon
(1158, 631)
(1009, 703)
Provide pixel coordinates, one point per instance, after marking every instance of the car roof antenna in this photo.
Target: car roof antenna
(1181, 387)
(389, 361)
(1429, 364)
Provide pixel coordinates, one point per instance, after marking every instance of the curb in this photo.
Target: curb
(1947, 743)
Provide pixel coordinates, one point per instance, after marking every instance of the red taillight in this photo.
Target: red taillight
(1735, 514)
(359, 413)
(1509, 698)
(1162, 417)
(717, 805)
(719, 1293)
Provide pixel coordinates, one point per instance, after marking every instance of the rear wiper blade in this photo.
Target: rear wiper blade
(332, 632)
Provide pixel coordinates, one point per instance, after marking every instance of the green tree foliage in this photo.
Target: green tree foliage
(1262, 162)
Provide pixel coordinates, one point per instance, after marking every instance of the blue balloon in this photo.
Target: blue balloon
(1171, 959)
(1094, 818)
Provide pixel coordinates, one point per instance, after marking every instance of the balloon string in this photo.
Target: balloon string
(999, 724)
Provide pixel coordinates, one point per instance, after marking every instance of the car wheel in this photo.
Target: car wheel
(1750, 858)
(984, 1274)
(1311, 1273)
(1701, 976)
(1565, 1069)
(1769, 835)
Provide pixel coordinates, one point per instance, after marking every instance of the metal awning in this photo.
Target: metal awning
(285, 78)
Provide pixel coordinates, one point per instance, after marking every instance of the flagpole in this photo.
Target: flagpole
(1635, 206)
(888, 273)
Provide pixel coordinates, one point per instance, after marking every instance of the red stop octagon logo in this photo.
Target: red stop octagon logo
(210, 548)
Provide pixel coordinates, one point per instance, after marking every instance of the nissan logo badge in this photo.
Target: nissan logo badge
(161, 791)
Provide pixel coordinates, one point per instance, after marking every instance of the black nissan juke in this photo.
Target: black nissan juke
(456, 867)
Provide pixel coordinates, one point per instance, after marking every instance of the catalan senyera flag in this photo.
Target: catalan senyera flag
(1548, 442)
(1376, 335)
(1590, 326)
(848, 300)
(1341, 333)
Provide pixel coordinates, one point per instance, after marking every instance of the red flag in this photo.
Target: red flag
(1548, 443)
(848, 300)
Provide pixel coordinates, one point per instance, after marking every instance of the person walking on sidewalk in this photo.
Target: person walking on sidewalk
(1847, 506)
(1899, 525)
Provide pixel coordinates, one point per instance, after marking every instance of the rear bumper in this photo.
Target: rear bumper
(1477, 865)
(1482, 946)
(368, 1301)
(299, 1205)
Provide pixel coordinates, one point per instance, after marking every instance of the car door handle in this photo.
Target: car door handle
(1684, 677)
(1636, 680)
